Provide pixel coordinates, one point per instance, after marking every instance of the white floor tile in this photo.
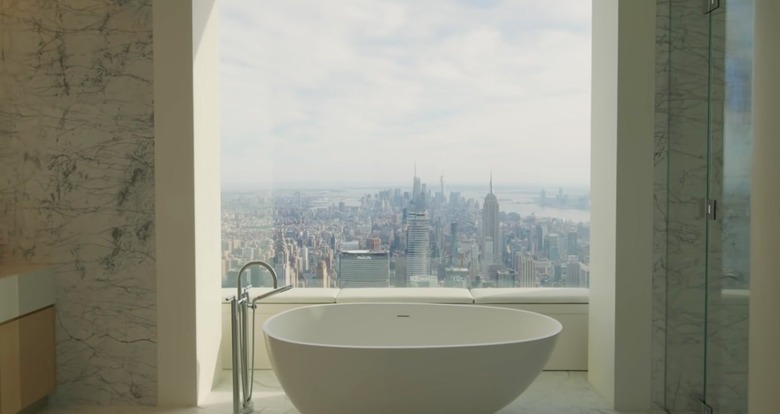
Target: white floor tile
(556, 392)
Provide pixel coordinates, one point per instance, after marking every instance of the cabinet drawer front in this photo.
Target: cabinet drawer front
(37, 346)
(10, 393)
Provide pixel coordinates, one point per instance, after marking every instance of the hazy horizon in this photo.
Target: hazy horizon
(434, 187)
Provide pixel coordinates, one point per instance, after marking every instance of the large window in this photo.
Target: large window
(406, 143)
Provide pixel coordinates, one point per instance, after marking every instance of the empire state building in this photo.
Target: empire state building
(490, 223)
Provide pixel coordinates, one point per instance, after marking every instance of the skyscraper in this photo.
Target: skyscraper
(323, 279)
(573, 272)
(417, 243)
(474, 261)
(527, 271)
(363, 268)
(490, 228)
(552, 246)
(584, 275)
(571, 243)
(400, 271)
(442, 197)
(487, 254)
(417, 238)
(417, 184)
(539, 240)
(373, 243)
(454, 244)
(305, 258)
(282, 261)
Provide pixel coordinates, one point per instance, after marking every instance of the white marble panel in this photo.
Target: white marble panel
(660, 189)
(727, 356)
(680, 183)
(701, 258)
(77, 184)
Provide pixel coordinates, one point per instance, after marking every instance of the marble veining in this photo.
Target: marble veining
(77, 184)
(698, 328)
(660, 199)
(680, 183)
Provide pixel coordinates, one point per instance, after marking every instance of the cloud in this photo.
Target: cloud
(324, 92)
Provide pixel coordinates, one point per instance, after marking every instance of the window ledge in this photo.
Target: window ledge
(303, 295)
(531, 295)
(424, 295)
(420, 295)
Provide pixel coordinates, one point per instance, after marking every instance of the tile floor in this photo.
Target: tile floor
(553, 392)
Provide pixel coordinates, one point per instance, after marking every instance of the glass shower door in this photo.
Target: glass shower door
(687, 115)
(728, 192)
(704, 206)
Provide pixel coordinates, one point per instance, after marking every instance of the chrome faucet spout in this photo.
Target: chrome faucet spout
(256, 263)
(271, 293)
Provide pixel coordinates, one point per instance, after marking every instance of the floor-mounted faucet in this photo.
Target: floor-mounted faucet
(243, 373)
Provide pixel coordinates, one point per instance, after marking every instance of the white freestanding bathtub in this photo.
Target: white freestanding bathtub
(377, 358)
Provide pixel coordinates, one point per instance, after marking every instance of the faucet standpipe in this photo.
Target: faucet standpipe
(243, 383)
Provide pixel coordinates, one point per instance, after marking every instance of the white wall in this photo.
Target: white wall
(187, 210)
(601, 336)
(763, 396)
(175, 215)
(622, 142)
(208, 224)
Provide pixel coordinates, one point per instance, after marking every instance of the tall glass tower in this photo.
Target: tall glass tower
(417, 237)
(454, 245)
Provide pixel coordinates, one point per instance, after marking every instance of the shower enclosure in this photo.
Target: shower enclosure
(702, 200)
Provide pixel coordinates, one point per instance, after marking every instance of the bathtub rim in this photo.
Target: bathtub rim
(557, 331)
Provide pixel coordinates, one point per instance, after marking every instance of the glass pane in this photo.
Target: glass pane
(728, 271)
(406, 143)
(686, 189)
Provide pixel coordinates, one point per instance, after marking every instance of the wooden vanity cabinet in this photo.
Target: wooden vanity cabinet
(27, 360)
(10, 370)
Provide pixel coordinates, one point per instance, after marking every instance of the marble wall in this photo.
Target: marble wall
(77, 191)
(680, 186)
(77, 183)
(699, 322)
(663, 10)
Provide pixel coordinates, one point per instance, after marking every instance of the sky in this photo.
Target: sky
(357, 91)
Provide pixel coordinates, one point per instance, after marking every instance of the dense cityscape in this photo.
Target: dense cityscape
(401, 238)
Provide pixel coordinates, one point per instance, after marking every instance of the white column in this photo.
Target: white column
(622, 144)
(207, 176)
(187, 199)
(764, 360)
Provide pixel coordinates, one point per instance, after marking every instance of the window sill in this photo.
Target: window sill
(424, 295)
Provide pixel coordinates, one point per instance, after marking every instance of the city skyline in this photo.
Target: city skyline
(316, 94)
(421, 236)
(569, 203)
(477, 185)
